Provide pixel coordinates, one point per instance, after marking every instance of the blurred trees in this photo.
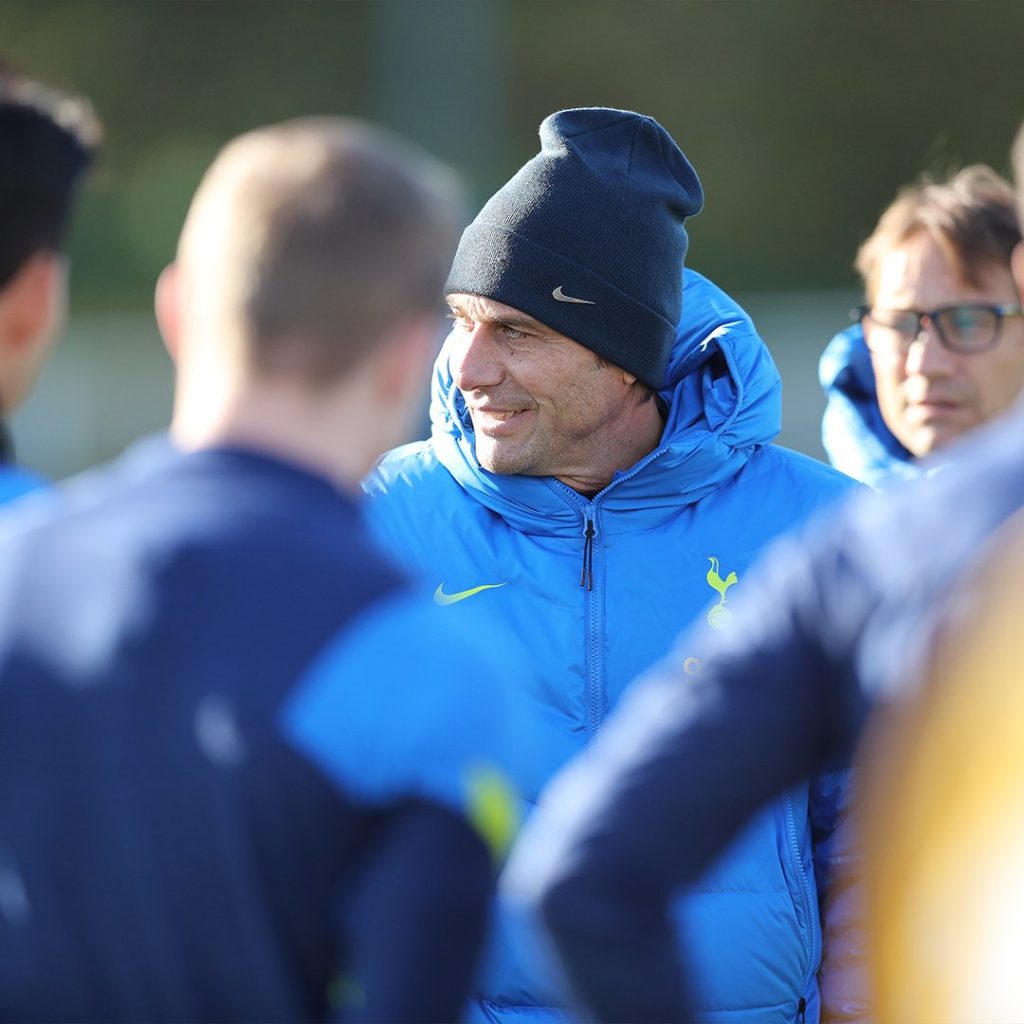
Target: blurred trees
(802, 118)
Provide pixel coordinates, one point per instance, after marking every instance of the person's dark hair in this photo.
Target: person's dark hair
(972, 216)
(47, 142)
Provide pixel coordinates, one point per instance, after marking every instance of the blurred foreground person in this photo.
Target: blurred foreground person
(938, 349)
(46, 145)
(833, 621)
(943, 792)
(238, 780)
(601, 473)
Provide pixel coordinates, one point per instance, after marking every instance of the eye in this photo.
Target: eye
(511, 333)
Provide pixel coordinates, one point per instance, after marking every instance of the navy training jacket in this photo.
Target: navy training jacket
(238, 780)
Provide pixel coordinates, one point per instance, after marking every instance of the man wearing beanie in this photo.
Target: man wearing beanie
(600, 474)
(46, 146)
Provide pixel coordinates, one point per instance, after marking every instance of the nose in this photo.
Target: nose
(475, 358)
(927, 355)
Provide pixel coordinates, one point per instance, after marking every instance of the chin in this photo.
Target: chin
(503, 459)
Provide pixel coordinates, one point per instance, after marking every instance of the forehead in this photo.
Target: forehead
(484, 310)
(918, 273)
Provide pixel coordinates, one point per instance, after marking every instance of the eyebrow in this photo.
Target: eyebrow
(510, 319)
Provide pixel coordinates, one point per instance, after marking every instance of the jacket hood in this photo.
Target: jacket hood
(853, 432)
(723, 394)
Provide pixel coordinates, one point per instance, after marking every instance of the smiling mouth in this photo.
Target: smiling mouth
(496, 422)
(497, 414)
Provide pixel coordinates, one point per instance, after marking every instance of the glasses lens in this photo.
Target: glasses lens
(889, 329)
(968, 328)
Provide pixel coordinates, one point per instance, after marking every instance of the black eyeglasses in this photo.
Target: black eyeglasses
(968, 327)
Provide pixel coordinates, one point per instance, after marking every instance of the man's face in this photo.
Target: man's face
(930, 395)
(541, 404)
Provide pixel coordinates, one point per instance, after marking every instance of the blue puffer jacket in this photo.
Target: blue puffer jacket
(672, 537)
(852, 429)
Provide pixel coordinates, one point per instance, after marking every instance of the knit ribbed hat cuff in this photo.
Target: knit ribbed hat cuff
(508, 268)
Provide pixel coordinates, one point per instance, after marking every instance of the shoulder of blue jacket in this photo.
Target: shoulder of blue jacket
(407, 703)
(809, 476)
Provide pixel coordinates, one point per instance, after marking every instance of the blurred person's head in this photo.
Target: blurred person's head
(47, 141)
(302, 309)
(943, 320)
(565, 294)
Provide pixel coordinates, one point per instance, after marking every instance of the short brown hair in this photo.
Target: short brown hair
(328, 233)
(971, 215)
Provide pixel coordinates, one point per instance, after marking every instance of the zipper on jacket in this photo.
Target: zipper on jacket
(587, 575)
(801, 1011)
(794, 845)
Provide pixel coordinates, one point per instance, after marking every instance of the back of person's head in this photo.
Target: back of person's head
(971, 215)
(310, 240)
(47, 142)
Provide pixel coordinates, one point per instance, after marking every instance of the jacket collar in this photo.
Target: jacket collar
(852, 429)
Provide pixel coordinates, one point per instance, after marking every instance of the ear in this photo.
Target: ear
(31, 300)
(1017, 265)
(629, 379)
(167, 303)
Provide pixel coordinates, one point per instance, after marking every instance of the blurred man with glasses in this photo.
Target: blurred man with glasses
(938, 349)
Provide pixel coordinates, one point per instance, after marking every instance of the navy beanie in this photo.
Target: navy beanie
(588, 237)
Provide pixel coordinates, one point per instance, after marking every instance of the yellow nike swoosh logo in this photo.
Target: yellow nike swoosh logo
(440, 597)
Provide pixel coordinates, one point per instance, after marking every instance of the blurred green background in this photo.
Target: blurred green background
(801, 118)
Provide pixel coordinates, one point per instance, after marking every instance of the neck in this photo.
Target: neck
(325, 433)
(625, 444)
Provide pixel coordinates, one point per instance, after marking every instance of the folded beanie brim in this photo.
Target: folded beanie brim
(499, 264)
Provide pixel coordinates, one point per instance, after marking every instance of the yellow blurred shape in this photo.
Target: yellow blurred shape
(943, 815)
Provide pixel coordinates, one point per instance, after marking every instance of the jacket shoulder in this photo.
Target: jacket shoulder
(411, 500)
(809, 472)
(407, 473)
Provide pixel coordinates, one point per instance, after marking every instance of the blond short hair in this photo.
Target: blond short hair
(318, 237)
(971, 215)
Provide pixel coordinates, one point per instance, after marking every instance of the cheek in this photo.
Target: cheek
(889, 377)
(999, 382)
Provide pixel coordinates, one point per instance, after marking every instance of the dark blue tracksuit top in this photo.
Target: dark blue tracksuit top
(237, 765)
